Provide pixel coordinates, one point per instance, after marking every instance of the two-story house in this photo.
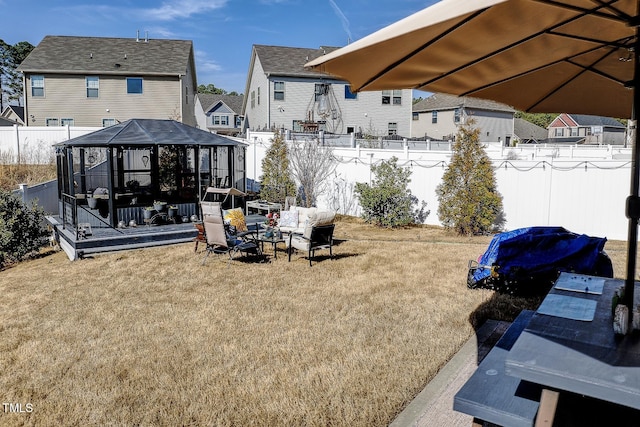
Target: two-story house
(282, 94)
(586, 129)
(95, 81)
(439, 116)
(219, 113)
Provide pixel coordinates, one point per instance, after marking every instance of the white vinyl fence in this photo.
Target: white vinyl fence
(34, 144)
(581, 188)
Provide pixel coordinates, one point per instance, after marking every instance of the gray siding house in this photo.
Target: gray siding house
(282, 94)
(95, 81)
(219, 113)
(440, 115)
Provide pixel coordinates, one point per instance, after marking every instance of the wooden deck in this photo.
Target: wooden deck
(107, 239)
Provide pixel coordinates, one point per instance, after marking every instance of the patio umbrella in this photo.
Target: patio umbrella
(232, 191)
(562, 56)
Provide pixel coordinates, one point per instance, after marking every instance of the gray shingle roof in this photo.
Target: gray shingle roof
(587, 120)
(289, 61)
(148, 132)
(104, 55)
(442, 101)
(208, 100)
(525, 130)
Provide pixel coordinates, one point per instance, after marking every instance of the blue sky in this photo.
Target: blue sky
(222, 31)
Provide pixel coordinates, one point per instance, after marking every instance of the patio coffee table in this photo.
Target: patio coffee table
(274, 240)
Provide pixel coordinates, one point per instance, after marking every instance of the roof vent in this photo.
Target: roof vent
(146, 36)
(137, 35)
(91, 55)
(125, 56)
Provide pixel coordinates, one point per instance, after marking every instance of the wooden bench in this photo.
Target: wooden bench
(492, 396)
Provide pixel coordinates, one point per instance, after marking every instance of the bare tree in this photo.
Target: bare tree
(342, 198)
(311, 164)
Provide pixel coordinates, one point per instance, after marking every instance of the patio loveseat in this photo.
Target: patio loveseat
(297, 218)
(309, 229)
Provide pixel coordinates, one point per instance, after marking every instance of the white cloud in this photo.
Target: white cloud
(342, 17)
(175, 9)
(204, 64)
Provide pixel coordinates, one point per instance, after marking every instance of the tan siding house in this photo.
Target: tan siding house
(92, 81)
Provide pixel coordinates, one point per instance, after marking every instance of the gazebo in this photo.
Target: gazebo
(110, 178)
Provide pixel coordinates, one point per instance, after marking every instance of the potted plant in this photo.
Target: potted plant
(159, 205)
(92, 201)
(172, 211)
(133, 185)
(147, 212)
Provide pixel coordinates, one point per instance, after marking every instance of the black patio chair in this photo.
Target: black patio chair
(319, 237)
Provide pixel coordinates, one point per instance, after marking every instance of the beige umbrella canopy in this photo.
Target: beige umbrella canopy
(535, 55)
(562, 56)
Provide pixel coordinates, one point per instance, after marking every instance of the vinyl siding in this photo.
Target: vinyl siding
(65, 97)
(258, 115)
(365, 114)
(188, 95)
(494, 125)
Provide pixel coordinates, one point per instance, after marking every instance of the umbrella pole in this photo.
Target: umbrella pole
(633, 201)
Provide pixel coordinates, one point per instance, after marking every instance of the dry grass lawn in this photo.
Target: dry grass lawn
(152, 337)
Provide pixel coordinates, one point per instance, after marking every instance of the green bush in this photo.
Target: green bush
(276, 183)
(469, 201)
(22, 230)
(388, 202)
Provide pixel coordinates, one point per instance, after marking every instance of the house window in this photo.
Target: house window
(258, 96)
(37, 86)
(108, 122)
(215, 120)
(224, 120)
(253, 99)
(238, 121)
(392, 129)
(52, 122)
(415, 116)
(559, 132)
(348, 94)
(386, 97)
(574, 131)
(93, 84)
(397, 97)
(457, 115)
(278, 91)
(434, 117)
(134, 85)
(66, 122)
(321, 89)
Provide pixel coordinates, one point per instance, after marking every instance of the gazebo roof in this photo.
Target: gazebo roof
(148, 132)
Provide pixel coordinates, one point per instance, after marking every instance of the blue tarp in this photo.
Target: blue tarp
(533, 257)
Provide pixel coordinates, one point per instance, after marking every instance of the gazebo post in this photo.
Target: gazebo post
(110, 201)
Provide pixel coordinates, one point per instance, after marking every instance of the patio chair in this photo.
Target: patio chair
(319, 237)
(221, 239)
